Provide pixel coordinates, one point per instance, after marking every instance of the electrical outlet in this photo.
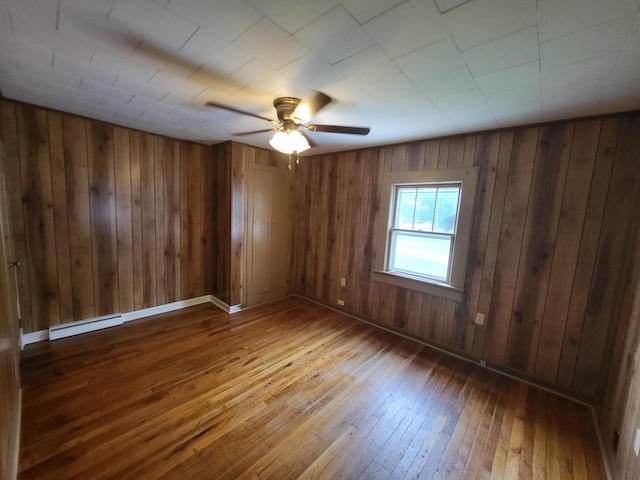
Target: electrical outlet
(483, 363)
(341, 303)
(636, 443)
(479, 318)
(343, 282)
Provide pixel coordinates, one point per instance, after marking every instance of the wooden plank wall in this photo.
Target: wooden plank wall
(620, 409)
(10, 350)
(549, 236)
(106, 219)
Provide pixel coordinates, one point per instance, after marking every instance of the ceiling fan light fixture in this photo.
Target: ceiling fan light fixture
(289, 142)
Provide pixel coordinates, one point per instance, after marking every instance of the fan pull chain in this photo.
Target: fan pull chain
(297, 160)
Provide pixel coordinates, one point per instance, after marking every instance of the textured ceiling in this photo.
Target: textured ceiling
(408, 69)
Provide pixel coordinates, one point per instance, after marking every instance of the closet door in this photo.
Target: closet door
(268, 234)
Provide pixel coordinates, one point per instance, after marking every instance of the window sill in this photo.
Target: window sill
(419, 285)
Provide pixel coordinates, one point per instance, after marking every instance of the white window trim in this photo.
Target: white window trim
(468, 177)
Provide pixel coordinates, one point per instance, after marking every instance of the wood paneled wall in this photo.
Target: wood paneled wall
(9, 342)
(620, 409)
(549, 239)
(106, 219)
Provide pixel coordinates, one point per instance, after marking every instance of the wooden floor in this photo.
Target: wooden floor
(286, 390)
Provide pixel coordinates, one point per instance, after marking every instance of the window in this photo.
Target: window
(425, 236)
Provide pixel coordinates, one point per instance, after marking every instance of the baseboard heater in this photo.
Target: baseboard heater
(76, 328)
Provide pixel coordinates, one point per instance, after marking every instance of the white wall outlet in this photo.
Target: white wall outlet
(341, 303)
(636, 442)
(479, 319)
(343, 282)
(483, 363)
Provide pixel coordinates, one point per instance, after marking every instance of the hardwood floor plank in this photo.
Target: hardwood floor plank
(285, 390)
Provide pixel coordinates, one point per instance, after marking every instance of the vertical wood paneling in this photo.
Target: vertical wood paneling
(538, 225)
(172, 219)
(61, 221)
(599, 186)
(195, 220)
(74, 137)
(103, 218)
(13, 176)
(136, 220)
(158, 188)
(148, 209)
(99, 211)
(124, 219)
(39, 223)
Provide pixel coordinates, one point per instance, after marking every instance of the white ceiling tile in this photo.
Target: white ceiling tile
(149, 59)
(598, 68)
(225, 18)
(580, 96)
(514, 96)
(292, 15)
(270, 44)
(205, 48)
(631, 50)
(365, 10)
(345, 91)
(159, 26)
(456, 81)
(367, 66)
(446, 5)
(30, 51)
(7, 60)
(335, 36)
(518, 114)
(150, 104)
(590, 43)
(137, 87)
(211, 80)
(70, 64)
(437, 59)
(44, 12)
(73, 93)
(625, 73)
(460, 101)
(477, 117)
(122, 65)
(515, 49)
(105, 91)
(390, 89)
(482, 21)
(407, 27)
(5, 24)
(46, 72)
(312, 71)
(176, 85)
(560, 18)
(509, 78)
(261, 76)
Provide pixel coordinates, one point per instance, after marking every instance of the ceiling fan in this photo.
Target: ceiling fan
(293, 124)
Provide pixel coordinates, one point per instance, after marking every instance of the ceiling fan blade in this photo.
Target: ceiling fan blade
(308, 108)
(241, 112)
(339, 129)
(254, 131)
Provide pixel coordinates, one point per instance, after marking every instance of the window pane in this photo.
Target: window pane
(422, 254)
(446, 209)
(405, 208)
(425, 208)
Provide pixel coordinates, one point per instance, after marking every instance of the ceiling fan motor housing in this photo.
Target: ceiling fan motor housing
(285, 106)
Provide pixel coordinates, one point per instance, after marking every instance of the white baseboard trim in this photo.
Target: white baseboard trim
(76, 328)
(169, 307)
(223, 306)
(34, 337)
(97, 323)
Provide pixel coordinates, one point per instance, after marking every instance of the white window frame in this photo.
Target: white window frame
(467, 178)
